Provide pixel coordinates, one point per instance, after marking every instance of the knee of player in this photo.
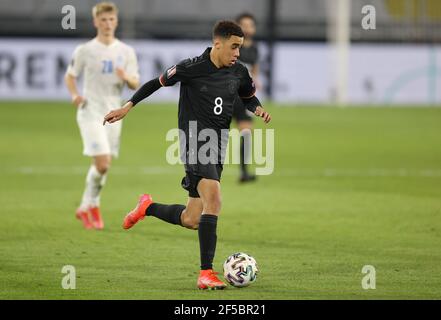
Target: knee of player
(102, 168)
(190, 222)
(213, 205)
(194, 226)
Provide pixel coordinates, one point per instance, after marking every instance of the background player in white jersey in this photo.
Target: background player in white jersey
(107, 65)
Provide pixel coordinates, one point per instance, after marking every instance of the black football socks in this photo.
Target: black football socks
(243, 166)
(207, 240)
(206, 231)
(168, 213)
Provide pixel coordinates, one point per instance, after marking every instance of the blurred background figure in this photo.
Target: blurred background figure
(249, 56)
(107, 65)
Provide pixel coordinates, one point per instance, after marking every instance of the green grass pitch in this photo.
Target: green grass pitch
(351, 187)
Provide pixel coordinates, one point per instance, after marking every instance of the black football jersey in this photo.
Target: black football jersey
(207, 95)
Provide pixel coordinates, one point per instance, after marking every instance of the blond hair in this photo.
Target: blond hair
(104, 7)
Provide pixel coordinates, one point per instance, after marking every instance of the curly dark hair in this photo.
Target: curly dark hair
(227, 28)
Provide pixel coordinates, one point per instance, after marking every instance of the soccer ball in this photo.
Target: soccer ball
(240, 269)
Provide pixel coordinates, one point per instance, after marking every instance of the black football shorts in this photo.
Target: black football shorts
(195, 172)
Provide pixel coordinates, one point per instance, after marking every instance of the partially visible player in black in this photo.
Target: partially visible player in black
(210, 85)
(249, 56)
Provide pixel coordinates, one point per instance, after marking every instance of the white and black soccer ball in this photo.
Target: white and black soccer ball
(240, 269)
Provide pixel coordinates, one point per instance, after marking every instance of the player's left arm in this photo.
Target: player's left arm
(247, 90)
(253, 104)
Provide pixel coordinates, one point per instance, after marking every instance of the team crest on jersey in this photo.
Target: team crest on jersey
(171, 72)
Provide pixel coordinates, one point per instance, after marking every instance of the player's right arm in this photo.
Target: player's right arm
(74, 70)
(146, 90)
(71, 84)
(171, 76)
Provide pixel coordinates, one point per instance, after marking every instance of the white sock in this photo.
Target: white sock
(94, 183)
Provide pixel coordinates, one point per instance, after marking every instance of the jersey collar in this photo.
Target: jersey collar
(211, 65)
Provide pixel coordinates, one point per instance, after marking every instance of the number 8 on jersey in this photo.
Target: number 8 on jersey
(218, 106)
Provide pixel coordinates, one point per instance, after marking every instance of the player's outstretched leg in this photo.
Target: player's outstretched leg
(145, 200)
(146, 207)
(209, 190)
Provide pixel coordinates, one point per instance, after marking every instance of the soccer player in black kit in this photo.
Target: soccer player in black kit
(249, 56)
(210, 84)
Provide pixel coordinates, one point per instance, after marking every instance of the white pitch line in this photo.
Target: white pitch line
(178, 169)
